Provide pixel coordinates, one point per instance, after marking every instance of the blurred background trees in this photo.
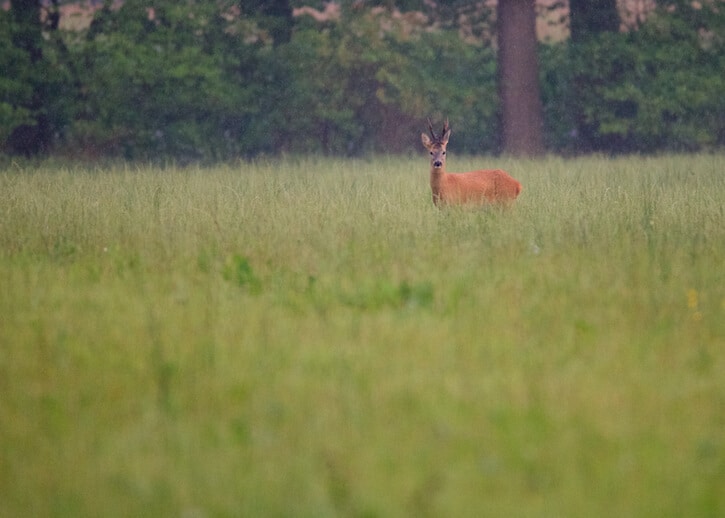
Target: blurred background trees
(199, 80)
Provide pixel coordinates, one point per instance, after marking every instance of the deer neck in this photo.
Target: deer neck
(436, 178)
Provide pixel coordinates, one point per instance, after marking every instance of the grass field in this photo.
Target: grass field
(311, 337)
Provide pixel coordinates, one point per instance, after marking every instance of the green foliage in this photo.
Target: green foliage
(446, 77)
(238, 271)
(361, 91)
(651, 89)
(163, 84)
(205, 81)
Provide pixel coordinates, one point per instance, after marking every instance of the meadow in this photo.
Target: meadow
(311, 337)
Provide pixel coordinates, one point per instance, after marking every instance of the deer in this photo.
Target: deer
(486, 186)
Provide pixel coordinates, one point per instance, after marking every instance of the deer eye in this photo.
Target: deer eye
(431, 153)
(444, 152)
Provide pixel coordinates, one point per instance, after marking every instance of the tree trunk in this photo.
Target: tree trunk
(31, 139)
(587, 20)
(518, 78)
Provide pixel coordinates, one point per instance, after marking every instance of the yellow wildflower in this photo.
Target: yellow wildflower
(692, 299)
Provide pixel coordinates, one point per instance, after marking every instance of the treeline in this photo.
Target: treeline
(145, 79)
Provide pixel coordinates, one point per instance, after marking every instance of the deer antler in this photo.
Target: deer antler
(445, 127)
(430, 128)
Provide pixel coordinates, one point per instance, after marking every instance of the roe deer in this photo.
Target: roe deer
(475, 187)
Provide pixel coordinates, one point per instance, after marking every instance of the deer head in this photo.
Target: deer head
(436, 145)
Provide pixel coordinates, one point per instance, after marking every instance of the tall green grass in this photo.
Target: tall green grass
(311, 337)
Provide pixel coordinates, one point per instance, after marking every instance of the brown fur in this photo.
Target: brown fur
(474, 188)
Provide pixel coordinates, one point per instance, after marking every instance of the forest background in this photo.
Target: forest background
(214, 80)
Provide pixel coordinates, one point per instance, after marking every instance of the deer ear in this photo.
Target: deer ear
(426, 140)
(446, 136)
